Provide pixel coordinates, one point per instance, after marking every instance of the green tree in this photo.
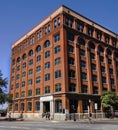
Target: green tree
(3, 86)
(109, 100)
(4, 97)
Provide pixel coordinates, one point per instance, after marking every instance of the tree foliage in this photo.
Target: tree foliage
(109, 99)
(3, 85)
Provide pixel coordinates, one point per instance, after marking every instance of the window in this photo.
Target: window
(84, 76)
(55, 23)
(94, 78)
(70, 37)
(112, 81)
(101, 59)
(30, 82)
(47, 77)
(48, 28)
(111, 71)
(37, 105)
(24, 56)
(58, 106)
(57, 61)
(38, 58)
(30, 71)
(71, 23)
(29, 92)
(29, 106)
(109, 61)
(47, 54)
(18, 68)
(92, 55)
(80, 26)
(82, 64)
(24, 65)
(37, 91)
(70, 49)
(31, 62)
(82, 53)
(17, 76)
(18, 59)
(17, 85)
(57, 87)
(38, 48)
(84, 89)
(71, 73)
(72, 87)
(100, 49)
(25, 44)
(22, 106)
(93, 66)
(23, 94)
(12, 87)
(104, 80)
(109, 52)
(85, 104)
(47, 65)
(17, 95)
(81, 41)
(57, 74)
(31, 39)
(117, 64)
(38, 69)
(31, 53)
(102, 69)
(38, 79)
(95, 90)
(71, 61)
(67, 21)
(90, 31)
(37, 36)
(47, 89)
(57, 49)
(23, 83)
(91, 46)
(24, 74)
(99, 35)
(16, 107)
(47, 44)
(57, 38)
(59, 21)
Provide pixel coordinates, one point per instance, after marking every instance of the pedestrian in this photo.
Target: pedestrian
(90, 117)
(48, 115)
(9, 116)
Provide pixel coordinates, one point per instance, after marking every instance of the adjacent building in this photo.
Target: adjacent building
(63, 65)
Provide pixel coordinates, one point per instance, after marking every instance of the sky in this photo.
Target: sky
(17, 17)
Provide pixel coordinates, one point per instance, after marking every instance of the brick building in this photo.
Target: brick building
(63, 65)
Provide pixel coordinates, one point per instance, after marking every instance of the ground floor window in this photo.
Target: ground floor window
(58, 106)
(16, 107)
(37, 105)
(22, 106)
(85, 104)
(29, 106)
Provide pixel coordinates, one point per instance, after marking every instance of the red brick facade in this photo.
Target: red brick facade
(63, 63)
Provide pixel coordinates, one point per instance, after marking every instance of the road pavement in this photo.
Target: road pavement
(59, 125)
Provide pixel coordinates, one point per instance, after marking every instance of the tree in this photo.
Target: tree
(3, 86)
(4, 97)
(109, 100)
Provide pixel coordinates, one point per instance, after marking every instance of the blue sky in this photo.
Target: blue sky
(17, 17)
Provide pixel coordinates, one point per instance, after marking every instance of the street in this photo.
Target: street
(56, 125)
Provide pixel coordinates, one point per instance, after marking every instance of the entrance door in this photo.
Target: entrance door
(46, 106)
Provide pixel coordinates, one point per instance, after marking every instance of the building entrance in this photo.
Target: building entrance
(46, 106)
